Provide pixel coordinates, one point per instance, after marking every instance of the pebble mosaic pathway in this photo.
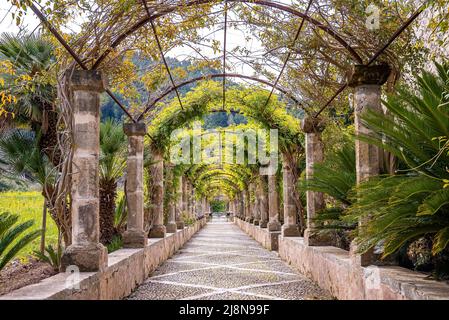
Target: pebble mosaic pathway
(221, 262)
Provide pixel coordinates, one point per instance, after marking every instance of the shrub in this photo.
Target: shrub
(14, 236)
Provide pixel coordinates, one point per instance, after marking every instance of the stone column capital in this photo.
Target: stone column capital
(135, 129)
(360, 75)
(87, 80)
(312, 125)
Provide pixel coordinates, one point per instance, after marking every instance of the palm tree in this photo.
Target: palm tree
(415, 202)
(112, 165)
(33, 86)
(13, 237)
(22, 159)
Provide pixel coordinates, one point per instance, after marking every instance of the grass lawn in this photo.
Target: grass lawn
(29, 206)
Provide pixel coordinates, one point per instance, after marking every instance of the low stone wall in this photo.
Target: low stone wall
(127, 268)
(334, 270)
(268, 240)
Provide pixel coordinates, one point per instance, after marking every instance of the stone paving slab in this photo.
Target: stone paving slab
(223, 263)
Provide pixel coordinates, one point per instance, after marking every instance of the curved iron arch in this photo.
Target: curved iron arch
(211, 175)
(203, 168)
(266, 3)
(227, 181)
(213, 76)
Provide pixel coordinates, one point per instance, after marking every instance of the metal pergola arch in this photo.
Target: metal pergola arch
(153, 102)
(352, 52)
(214, 184)
(151, 16)
(216, 173)
(203, 167)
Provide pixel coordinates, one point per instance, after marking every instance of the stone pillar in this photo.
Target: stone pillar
(263, 202)
(290, 226)
(255, 203)
(187, 203)
(241, 207)
(190, 199)
(85, 252)
(193, 208)
(313, 127)
(367, 82)
(273, 204)
(158, 229)
(204, 207)
(246, 202)
(184, 195)
(134, 236)
(180, 204)
(171, 221)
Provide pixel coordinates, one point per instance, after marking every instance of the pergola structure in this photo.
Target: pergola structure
(257, 202)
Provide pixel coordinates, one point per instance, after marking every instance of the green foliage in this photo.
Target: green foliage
(207, 96)
(31, 82)
(113, 147)
(28, 206)
(115, 244)
(187, 219)
(218, 206)
(21, 154)
(121, 214)
(51, 256)
(14, 236)
(405, 207)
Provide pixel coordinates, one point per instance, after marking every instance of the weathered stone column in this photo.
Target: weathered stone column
(204, 207)
(158, 229)
(184, 195)
(85, 252)
(255, 203)
(273, 204)
(367, 82)
(263, 202)
(312, 127)
(236, 206)
(171, 221)
(134, 236)
(290, 226)
(246, 201)
(180, 204)
(190, 200)
(241, 206)
(194, 203)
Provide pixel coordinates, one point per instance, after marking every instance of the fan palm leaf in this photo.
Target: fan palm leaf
(415, 203)
(14, 237)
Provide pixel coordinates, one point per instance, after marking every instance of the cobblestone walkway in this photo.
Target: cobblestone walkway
(220, 263)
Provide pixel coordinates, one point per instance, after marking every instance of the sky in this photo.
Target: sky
(8, 25)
